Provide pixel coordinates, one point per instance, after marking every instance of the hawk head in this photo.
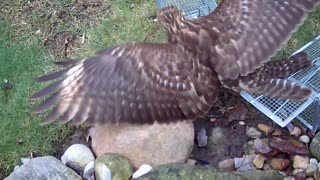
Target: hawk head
(171, 19)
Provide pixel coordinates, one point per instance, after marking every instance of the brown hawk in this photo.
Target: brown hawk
(141, 83)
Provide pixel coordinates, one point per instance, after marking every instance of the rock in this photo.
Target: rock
(300, 175)
(264, 128)
(262, 146)
(191, 161)
(217, 140)
(296, 132)
(241, 123)
(280, 164)
(88, 172)
(202, 138)
(315, 146)
(300, 162)
(296, 171)
(288, 178)
(309, 178)
(313, 161)
(148, 144)
(78, 155)
(249, 148)
(259, 161)
(46, 167)
(305, 139)
(259, 174)
(253, 133)
(267, 166)
(311, 169)
(119, 166)
(245, 163)
(288, 146)
(184, 171)
(238, 113)
(142, 170)
(227, 165)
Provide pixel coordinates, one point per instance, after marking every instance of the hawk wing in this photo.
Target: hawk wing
(241, 35)
(135, 83)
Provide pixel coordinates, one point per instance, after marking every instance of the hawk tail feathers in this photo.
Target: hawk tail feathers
(283, 69)
(277, 88)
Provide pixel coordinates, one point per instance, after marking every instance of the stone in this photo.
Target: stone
(154, 144)
(144, 169)
(311, 169)
(267, 166)
(280, 164)
(216, 140)
(264, 128)
(262, 146)
(305, 139)
(259, 161)
(245, 163)
(315, 146)
(300, 162)
(253, 133)
(238, 113)
(185, 171)
(202, 138)
(296, 171)
(289, 178)
(309, 178)
(78, 155)
(191, 161)
(296, 131)
(119, 166)
(248, 147)
(313, 161)
(227, 165)
(241, 123)
(46, 167)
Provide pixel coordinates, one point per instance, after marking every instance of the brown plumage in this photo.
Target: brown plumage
(141, 83)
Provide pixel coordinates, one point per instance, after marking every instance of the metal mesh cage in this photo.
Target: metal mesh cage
(283, 112)
(191, 8)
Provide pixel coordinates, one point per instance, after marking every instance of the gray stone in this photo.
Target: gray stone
(154, 144)
(253, 133)
(315, 146)
(217, 141)
(185, 171)
(47, 167)
(202, 138)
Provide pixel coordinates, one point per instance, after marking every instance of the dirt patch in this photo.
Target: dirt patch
(235, 136)
(60, 26)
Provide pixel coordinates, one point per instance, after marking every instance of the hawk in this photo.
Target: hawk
(141, 83)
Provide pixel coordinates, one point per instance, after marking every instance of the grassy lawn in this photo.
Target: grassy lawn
(32, 35)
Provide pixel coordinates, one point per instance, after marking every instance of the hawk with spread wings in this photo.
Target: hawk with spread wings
(141, 83)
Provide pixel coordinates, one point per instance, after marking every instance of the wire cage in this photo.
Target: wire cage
(191, 8)
(308, 112)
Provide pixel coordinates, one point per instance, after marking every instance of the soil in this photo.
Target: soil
(236, 134)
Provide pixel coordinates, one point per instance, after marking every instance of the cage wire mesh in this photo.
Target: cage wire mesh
(283, 112)
(191, 8)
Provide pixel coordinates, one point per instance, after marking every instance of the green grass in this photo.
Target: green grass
(23, 56)
(20, 131)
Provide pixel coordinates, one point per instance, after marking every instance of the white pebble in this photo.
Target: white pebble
(242, 123)
(143, 169)
(79, 154)
(88, 172)
(313, 161)
(296, 131)
(305, 139)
